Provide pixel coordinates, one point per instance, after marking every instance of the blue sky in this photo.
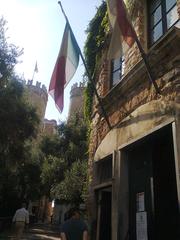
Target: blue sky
(37, 26)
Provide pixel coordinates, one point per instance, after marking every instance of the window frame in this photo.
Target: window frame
(120, 69)
(163, 18)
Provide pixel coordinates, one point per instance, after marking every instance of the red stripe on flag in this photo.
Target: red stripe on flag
(58, 81)
(125, 26)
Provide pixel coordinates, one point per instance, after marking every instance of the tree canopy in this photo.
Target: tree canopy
(55, 166)
(19, 123)
(64, 170)
(9, 54)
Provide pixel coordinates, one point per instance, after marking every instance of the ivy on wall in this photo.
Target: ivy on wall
(97, 31)
(97, 34)
(130, 5)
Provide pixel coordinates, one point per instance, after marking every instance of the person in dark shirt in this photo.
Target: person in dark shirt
(74, 228)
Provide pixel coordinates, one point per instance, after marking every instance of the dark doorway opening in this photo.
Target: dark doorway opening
(104, 214)
(153, 204)
(165, 186)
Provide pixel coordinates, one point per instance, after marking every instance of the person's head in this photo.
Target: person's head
(74, 213)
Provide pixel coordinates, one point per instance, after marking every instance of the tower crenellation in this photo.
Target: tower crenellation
(77, 89)
(37, 96)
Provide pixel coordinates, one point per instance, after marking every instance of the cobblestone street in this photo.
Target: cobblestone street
(37, 232)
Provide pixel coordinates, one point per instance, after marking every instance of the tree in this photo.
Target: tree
(52, 172)
(19, 123)
(65, 161)
(9, 54)
(72, 189)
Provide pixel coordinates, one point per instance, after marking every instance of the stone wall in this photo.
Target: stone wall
(135, 88)
(132, 56)
(178, 4)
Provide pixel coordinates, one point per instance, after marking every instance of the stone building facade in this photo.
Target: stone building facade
(135, 163)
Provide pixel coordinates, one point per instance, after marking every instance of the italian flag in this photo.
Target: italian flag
(123, 35)
(65, 67)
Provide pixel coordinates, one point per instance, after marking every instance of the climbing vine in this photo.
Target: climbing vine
(131, 5)
(97, 34)
(97, 31)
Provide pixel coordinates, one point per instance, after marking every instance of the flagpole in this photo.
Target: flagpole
(148, 69)
(35, 70)
(143, 55)
(33, 75)
(87, 71)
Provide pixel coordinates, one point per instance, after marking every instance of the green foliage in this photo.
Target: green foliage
(71, 189)
(73, 140)
(8, 55)
(52, 172)
(28, 176)
(19, 121)
(96, 36)
(50, 145)
(130, 4)
(64, 154)
(88, 101)
(19, 124)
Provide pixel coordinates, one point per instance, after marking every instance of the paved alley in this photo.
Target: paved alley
(38, 232)
(41, 231)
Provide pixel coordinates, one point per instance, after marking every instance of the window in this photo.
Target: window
(117, 70)
(104, 169)
(163, 15)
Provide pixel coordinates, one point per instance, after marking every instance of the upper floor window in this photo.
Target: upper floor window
(104, 169)
(117, 70)
(163, 15)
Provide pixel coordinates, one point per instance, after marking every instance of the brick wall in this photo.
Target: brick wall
(178, 5)
(132, 57)
(121, 104)
(135, 89)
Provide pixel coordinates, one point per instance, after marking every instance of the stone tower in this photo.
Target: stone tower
(76, 100)
(38, 97)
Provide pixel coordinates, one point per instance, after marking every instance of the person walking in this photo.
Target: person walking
(74, 228)
(21, 218)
